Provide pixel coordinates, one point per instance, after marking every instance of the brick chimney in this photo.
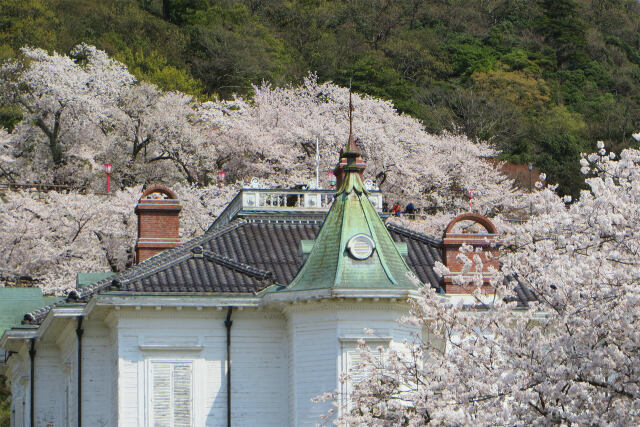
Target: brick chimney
(488, 241)
(158, 222)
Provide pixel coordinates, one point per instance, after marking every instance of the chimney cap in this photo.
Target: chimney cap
(159, 189)
(485, 222)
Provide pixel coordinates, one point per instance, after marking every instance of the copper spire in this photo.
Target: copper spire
(351, 146)
(350, 159)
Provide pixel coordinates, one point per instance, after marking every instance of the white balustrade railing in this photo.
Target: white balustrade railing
(255, 200)
(309, 200)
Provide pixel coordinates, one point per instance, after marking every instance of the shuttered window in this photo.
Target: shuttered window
(171, 394)
(351, 360)
(351, 365)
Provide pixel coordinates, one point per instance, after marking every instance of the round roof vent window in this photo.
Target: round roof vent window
(361, 246)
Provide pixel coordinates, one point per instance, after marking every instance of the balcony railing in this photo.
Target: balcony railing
(253, 200)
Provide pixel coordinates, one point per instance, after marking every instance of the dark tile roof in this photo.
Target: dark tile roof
(522, 293)
(246, 256)
(423, 252)
(268, 245)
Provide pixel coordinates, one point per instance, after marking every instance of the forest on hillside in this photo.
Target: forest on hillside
(540, 79)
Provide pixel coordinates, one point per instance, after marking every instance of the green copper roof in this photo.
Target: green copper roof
(15, 302)
(330, 265)
(85, 279)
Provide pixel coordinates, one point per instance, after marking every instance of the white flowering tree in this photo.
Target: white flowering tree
(86, 109)
(52, 236)
(67, 104)
(275, 136)
(572, 358)
(159, 138)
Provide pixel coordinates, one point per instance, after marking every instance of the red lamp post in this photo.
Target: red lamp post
(107, 167)
(221, 176)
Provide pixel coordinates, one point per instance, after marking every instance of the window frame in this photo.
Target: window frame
(149, 385)
(346, 344)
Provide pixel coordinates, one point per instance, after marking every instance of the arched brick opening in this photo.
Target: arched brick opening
(160, 189)
(489, 243)
(475, 217)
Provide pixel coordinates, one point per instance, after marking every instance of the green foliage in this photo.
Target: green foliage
(26, 22)
(9, 116)
(373, 75)
(543, 79)
(565, 31)
(5, 399)
(154, 68)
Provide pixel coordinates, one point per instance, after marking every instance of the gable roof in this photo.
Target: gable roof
(246, 256)
(242, 257)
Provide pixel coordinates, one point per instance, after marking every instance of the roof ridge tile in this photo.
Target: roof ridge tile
(237, 266)
(414, 234)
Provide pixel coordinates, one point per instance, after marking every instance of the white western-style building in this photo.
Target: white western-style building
(241, 326)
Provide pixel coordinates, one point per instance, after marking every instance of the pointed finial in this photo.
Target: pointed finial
(350, 114)
(351, 146)
(350, 160)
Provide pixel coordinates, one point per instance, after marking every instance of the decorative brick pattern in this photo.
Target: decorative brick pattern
(489, 243)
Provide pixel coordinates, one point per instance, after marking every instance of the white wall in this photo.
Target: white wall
(98, 371)
(49, 407)
(259, 362)
(281, 359)
(313, 365)
(18, 375)
(259, 354)
(319, 334)
(56, 378)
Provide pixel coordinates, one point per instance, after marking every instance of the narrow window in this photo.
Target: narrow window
(171, 394)
(351, 361)
(353, 366)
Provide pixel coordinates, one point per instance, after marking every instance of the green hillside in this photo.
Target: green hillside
(542, 79)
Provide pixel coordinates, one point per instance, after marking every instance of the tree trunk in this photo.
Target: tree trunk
(165, 9)
(113, 263)
(54, 147)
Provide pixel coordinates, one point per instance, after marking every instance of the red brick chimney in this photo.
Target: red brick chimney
(158, 222)
(452, 242)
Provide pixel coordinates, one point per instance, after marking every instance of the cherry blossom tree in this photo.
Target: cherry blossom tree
(570, 358)
(52, 236)
(86, 109)
(66, 102)
(275, 135)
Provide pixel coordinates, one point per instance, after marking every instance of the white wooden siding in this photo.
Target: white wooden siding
(259, 363)
(281, 359)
